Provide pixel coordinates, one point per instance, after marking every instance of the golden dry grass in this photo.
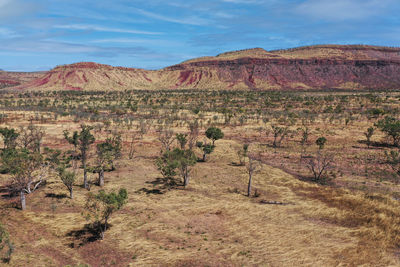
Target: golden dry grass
(211, 223)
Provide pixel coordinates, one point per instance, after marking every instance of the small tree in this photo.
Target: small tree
(83, 140)
(9, 138)
(179, 159)
(206, 148)
(99, 207)
(321, 141)
(166, 137)
(73, 140)
(279, 134)
(68, 179)
(368, 134)
(193, 134)
(167, 165)
(305, 133)
(185, 160)
(390, 126)
(31, 137)
(27, 170)
(214, 134)
(242, 154)
(107, 152)
(319, 167)
(252, 166)
(182, 140)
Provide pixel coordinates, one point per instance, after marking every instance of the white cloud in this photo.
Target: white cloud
(102, 29)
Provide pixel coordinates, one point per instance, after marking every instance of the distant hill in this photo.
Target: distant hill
(10, 79)
(310, 67)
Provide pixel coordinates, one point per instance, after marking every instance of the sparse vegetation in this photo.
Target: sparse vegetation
(100, 207)
(187, 190)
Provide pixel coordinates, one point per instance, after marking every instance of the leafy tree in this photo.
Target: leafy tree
(214, 134)
(368, 134)
(167, 165)
(9, 138)
(28, 171)
(99, 207)
(82, 141)
(68, 179)
(73, 140)
(390, 126)
(170, 161)
(305, 133)
(207, 149)
(107, 152)
(279, 134)
(185, 160)
(321, 142)
(182, 140)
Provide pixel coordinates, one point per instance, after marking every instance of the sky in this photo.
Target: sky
(152, 34)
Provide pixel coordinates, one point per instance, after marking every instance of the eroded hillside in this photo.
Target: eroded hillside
(313, 67)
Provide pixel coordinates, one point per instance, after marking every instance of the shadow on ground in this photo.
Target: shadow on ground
(57, 196)
(89, 233)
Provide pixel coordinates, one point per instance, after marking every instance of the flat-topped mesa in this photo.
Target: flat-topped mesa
(91, 65)
(310, 67)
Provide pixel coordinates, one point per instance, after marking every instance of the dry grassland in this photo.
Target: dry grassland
(211, 223)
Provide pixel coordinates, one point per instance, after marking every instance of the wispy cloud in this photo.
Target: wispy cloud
(157, 33)
(343, 9)
(192, 20)
(7, 33)
(102, 29)
(156, 42)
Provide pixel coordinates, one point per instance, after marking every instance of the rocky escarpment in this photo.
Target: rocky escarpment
(314, 67)
(283, 73)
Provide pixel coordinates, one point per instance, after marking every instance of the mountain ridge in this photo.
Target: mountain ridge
(308, 67)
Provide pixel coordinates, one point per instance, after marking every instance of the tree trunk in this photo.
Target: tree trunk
(71, 193)
(105, 229)
(204, 157)
(101, 178)
(186, 178)
(249, 185)
(23, 200)
(85, 184)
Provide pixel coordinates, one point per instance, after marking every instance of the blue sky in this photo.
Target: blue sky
(151, 34)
